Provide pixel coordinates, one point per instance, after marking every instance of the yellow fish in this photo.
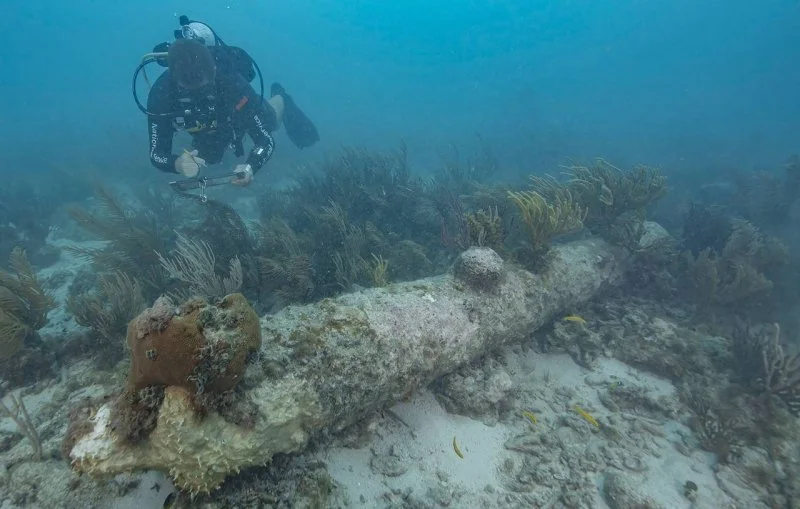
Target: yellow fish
(457, 450)
(531, 417)
(575, 319)
(587, 416)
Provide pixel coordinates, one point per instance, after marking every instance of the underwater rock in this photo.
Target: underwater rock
(343, 359)
(652, 234)
(623, 492)
(752, 479)
(480, 268)
(392, 462)
(483, 392)
(583, 344)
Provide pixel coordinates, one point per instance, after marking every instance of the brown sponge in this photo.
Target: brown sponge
(200, 347)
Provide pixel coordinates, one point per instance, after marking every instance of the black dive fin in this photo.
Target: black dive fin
(300, 129)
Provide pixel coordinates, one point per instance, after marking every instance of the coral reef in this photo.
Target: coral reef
(288, 481)
(285, 269)
(134, 236)
(336, 227)
(24, 304)
(194, 264)
(227, 248)
(719, 430)
(763, 361)
(486, 229)
(106, 311)
(364, 211)
(138, 238)
(410, 261)
(706, 227)
(735, 276)
(205, 399)
(575, 338)
(608, 192)
(725, 382)
(547, 211)
(649, 272)
(25, 425)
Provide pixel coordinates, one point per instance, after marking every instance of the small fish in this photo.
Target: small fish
(587, 416)
(457, 449)
(531, 417)
(575, 319)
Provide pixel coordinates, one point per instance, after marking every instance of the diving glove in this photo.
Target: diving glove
(188, 164)
(243, 175)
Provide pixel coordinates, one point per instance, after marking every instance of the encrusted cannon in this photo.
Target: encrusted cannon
(329, 364)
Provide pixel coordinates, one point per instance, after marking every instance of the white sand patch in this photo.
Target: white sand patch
(425, 447)
(422, 455)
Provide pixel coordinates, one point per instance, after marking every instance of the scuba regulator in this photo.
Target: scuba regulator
(239, 60)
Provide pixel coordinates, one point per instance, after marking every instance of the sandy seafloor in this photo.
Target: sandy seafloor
(637, 456)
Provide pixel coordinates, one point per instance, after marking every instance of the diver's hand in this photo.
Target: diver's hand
(188, 164)
(244, 175)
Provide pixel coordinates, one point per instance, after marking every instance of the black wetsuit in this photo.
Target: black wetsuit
(216, 120)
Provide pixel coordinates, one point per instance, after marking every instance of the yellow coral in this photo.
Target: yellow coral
(548, 217)
(608, 192)
(485, 228)
(378, 271)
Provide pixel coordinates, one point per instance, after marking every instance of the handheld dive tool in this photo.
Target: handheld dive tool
(202, 183)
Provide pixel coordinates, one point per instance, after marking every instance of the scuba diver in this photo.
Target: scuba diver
(206, 92)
